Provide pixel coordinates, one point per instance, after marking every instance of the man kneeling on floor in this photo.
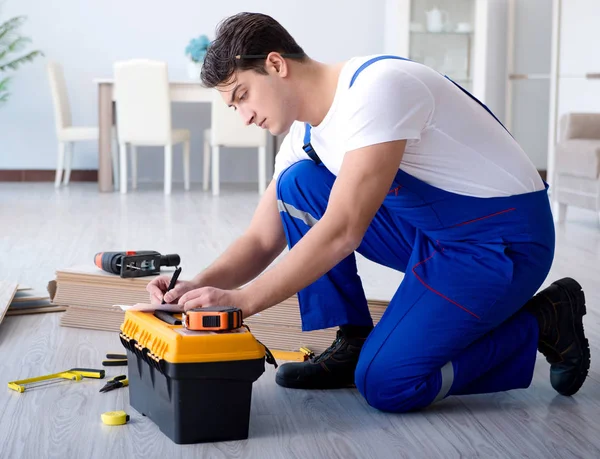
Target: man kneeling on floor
(388, 158)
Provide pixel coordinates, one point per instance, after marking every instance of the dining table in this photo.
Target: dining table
(188, 91)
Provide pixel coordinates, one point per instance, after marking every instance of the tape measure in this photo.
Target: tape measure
(212, 318)
(114, 418)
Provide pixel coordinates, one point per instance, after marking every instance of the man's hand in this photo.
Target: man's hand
(211, 296)
(158, 288)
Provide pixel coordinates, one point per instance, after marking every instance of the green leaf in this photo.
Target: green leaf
(13, 65)
(19, 43)
(16, 45)
(11, 42)
(3, 95)
(4, 90)
(10, 26)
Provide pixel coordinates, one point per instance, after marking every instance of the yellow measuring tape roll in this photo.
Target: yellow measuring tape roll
(114, 418)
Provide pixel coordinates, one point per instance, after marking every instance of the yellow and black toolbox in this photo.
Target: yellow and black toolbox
(195, 385)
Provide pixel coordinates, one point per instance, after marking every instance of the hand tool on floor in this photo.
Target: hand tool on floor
(299, 356)
(74, 374)
(309, 354)
(115, 383)
(134, 263)
(115, 360)
(114, 418)
(295, 356)
(88, 372)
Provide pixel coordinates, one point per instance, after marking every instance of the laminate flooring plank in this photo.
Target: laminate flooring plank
(7, 293)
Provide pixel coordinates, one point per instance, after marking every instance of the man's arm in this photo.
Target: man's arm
(252, 252)
(364, 180)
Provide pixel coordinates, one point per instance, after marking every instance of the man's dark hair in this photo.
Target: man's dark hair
(243, 42)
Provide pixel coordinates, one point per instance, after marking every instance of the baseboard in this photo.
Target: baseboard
(77, 175)
(45, 175)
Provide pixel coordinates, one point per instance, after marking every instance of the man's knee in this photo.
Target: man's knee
(388, 386)
(375, 386)
(305, 176)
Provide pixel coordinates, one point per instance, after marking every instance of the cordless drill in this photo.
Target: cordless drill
(134, 263)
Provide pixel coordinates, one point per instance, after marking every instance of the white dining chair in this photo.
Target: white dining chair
(228, 130)
(66, 133)
(144, 118)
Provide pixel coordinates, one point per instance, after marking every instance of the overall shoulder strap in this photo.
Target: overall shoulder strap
(478, 101)
(372, 61)
(307, 147)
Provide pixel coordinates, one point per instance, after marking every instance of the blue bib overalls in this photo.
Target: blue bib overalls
(455, 324)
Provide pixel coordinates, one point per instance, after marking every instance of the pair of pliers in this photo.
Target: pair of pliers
(115, 383)
(115, 360)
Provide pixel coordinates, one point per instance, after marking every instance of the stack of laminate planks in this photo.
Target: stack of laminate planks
(16, 300)
(90, 293)
(280, 327)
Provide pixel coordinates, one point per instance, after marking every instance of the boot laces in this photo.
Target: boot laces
(331, 349)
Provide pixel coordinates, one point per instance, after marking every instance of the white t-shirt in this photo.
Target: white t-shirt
(453, 143)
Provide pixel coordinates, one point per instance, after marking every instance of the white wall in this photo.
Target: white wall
(88, 36)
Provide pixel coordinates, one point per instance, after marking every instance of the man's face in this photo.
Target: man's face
(263, 100)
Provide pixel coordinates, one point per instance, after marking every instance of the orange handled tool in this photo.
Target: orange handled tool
(212, 318)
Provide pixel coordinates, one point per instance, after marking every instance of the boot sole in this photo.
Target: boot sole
(290, 384)
(574, 292)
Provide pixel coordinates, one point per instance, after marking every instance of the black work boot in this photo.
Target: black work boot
(333, 369)
(559, 310)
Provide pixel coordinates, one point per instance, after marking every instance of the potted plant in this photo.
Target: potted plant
(196, 50)
(11, 43)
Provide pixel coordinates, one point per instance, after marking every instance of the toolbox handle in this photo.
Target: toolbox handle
(167, 317)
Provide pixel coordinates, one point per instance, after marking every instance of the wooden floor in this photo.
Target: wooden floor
(43, 229)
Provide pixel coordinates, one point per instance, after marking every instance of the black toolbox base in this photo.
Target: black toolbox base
(211, 402)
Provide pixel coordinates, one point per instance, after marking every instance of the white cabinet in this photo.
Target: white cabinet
(529, 63)
(463, 39)
(579, 37)
(575, 75)
(553, 69)
(579, 57)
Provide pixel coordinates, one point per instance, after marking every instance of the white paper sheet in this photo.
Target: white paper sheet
(150, 307)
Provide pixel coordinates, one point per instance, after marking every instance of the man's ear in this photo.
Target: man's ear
(276, 64)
